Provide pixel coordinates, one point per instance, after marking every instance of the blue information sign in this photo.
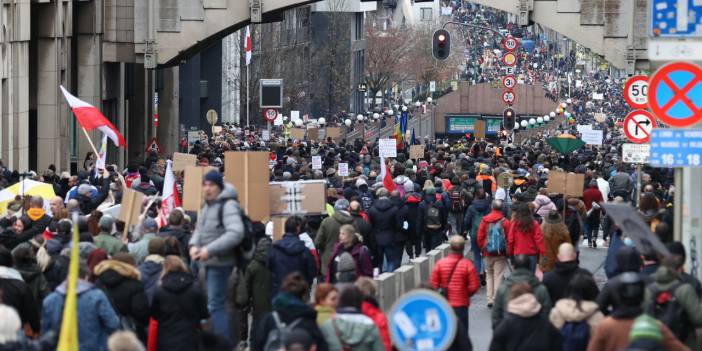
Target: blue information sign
(676, 148)
(422, 320)
(676, 18)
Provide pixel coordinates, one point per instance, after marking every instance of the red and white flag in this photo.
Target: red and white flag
(248, 45)
(170, 198)
(91, 118)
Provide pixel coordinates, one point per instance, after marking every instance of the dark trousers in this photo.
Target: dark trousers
(432, 240)
(414, 245)
(593, 226)
(393, 256)
(462, 315)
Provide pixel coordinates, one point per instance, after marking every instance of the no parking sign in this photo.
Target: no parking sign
(675, 95)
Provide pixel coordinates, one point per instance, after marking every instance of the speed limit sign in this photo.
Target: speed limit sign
(270, 114)
(509, 81)
(508, 97)
(636, 92)
(509, 59)
(510, 43)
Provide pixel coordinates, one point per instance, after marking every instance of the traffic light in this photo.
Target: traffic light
(508, 118)
(441, 44)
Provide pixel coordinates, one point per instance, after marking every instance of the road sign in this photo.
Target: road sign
(362, 87)
(509, 70)
(636, 91)
(675, 18)
(153, 146)
(508, 97)
(638, 125)
(509, 59)
(432, 86)
(510, 43)
(270, 114)
(676, 148)
(509, 82)
(422, 320)
(676, 94)
(636, 153)
(674, 50)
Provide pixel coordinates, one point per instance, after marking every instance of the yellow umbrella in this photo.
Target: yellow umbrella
(26, 187)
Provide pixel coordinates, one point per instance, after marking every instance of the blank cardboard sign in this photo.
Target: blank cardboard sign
(248, 172)
(181, 161)
(131, 206)
(192, 187)
(297, 133)
(333, 132)
(569, 184)
(297, 198)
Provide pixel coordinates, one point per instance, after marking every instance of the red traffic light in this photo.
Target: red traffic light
(442, 37)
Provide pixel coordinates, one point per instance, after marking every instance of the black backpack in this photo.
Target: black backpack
(666, 308)
(456, 200)
(433, 217)
(244, 252)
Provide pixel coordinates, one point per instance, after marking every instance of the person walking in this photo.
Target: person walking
(431, 219)
(592, 197)
(525, 237)
(565, 270)
(493, 229)
(254, 291)
(577, 315)
(478, 209)
(555, 233)
(349, 328)
(370, 307)
(521, 273)
(290, 254)
(105, 240)
(326, 299)
(350, 242)
(385, 229)
(328, 232)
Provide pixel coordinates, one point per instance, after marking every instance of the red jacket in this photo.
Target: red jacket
(373, 312)
(590, 195)
(462, 285)
(525, 243)
(490, 218)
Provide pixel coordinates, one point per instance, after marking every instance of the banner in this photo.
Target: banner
(592, 137)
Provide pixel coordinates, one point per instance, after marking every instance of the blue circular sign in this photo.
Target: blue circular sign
(422, 320)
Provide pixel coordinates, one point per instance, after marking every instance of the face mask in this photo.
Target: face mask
(628, 241)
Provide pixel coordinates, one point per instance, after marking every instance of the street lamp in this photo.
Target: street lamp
(547, 118)
(321, 121)
(359, 117)
(516, 125)
(539, 120)
(532, 121)
(552, 114)
(397, 107)
(404, 108)
(564, 105)
(390, 112)
(347, 122)
(376, 116)
(524, 123)
(298, 123)
(417, 104)
(429, 100)
(569, 101)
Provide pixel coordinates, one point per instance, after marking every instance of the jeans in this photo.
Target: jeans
(393, 256)
(477, 254)
(462, 315)
(217, 280)
(455, 220)
(533, 260)
(495, 270)
(593, 227)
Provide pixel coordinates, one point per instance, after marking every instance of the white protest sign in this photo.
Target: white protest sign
(266, 135)
(278, 120)
(343, 169)
(583, 127)
(387, 148)
(598, 96)
(294, 115)
(636, 153)
(592, 137)
(316, 162)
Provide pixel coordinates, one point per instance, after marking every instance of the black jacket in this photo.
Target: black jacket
(289, 309)
(180, 234)
(179, 305)
(288, 255)
(408, 213)
(36, 227)
(383, 219)
(87, 204)
(517, 333)
(557, 280)
(422, 211)
(121, 284)
(18, 295)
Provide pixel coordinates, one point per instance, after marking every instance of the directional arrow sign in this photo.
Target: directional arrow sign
(638, 126)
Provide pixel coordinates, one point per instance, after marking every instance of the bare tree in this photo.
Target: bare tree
(387, 53)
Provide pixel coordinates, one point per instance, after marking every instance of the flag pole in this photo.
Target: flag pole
(90, 141)
(247, 94)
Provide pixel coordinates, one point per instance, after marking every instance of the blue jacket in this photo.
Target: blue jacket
(97, 318)
(288, 255)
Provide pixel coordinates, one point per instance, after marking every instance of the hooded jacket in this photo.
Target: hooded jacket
(408, 213)
(179, 305)
(219, 235)
(558, 279)
(150, 271)
(18, 295)
(354, 329)
(255, 290)
(525, 328)
(462, 285)
(499, 309)
(288, 255)
(628, 260)
(543, 205)
(328, 235)
(370, 308)
(492, 217)
(568, 311)
(361, 258)
(34, 277)
(383, 219)
(121, 283)
(478, 208)
(430, 200)
(88, 203)
(525, 243)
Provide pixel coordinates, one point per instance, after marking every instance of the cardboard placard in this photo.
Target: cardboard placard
(313, 134)
(568, 184)
(297, 133)
(333, 132)
(278, 226)
(479, 132)
(216, 129)
(181, 161)
(131, 207)
(297, 198)
(417, 152)
(248, 172)
(192, 187)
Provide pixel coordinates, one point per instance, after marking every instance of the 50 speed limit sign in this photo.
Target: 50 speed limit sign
(636, 92)
(510, 43)
(509, 81)
(508, 97)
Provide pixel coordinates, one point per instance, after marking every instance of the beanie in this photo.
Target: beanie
(84, 189)
(149, 225)
(645, 327)
(341, 205)
(346, 263)
(216, 178)
(106, 223)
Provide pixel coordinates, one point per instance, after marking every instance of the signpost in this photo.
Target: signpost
(638, 125)
(509, 81)
(422, 320)
(510, 43)
(636, 153)
(509, 59)
(676, 148)
(508, 97)
(675, 18)
(676, 93)
(636, 92)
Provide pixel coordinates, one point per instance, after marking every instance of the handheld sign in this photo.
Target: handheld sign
(316, 162)
(638, 126)
(636, 92)
(676, 94)
(387, 148)
(343, 169)
(422, 320)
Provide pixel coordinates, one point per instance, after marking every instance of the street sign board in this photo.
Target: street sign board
(674, 50)
(636, 91)
(509, 59)
(508, 97)
(509, 82)
(509, 70)
(638, 125)
(636, 153)
(510, 43)
(422, 320)
(676, 94)
(362, 87)
(676, 147)
(675, 18)
(270, 114)
(432, 86)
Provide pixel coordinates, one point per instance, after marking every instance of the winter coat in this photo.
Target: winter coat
(97, 319)
(37, 226)
(499, 309)
(430, 200)
(408, 213)
(140, 249)
(370, 308)
(361, 257)
(18, 295)
(178, 233)
(255, 290)
(150, 271)
(628, 260)
(288, 255)
(354, 330)
(109, 243)
(121, 283)
(613, 335)
(543, 205)
(383, 219)
(328, 235)
(289, 309)
(478, 208)
(57, 271)
(557, 280)
(568, 311)
(88, 203)
(34, 278)
(525, 328)
(557, 235)
(462, 285)
(620, 183)
(492, 217)
(178, 306)
(219, 235)
(525, 243)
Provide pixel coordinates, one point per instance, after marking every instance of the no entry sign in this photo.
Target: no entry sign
(510, 43)
(638, 126)
(509, 81)
(508, 97)
(676, 94)
(636, 91)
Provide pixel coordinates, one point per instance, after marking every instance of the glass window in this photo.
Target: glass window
(426, 13)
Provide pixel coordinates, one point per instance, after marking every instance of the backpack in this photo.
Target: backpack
(433, 217)
(456, 200)
(576, 335)
(276, 338)
(366, 201)
(496, 243)
(244, 252)
(666, 308)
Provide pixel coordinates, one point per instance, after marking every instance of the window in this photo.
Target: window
(426, 14)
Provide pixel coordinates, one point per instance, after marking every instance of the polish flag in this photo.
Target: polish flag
(248, 45)
(170, 197)
(91, 118)
(387, 180)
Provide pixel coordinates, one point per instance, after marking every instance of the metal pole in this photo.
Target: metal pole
(638, 183)
(678, 205)
(247, 95)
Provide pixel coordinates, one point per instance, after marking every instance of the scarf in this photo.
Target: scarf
(35, 213)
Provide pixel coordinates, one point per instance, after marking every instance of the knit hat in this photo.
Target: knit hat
(84, 189)
(331, 172)
(215, 177)
(345, 263)
(106, 223)
(409, 186)
(149, 225)
(645, 327)
(360, 181)
(341, 205)
(553, 217)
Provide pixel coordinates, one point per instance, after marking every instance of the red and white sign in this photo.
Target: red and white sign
(509, 59)
(638, 126)
(153, 146)
(510, 43)
(636, 92)
(509, 81)
(508, 97)
(270, 114)
(674, 95)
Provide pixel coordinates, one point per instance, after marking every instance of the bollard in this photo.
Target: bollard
(421, 270)
(445, 249)
(387, 290)
(406, 278)
(433, 256)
